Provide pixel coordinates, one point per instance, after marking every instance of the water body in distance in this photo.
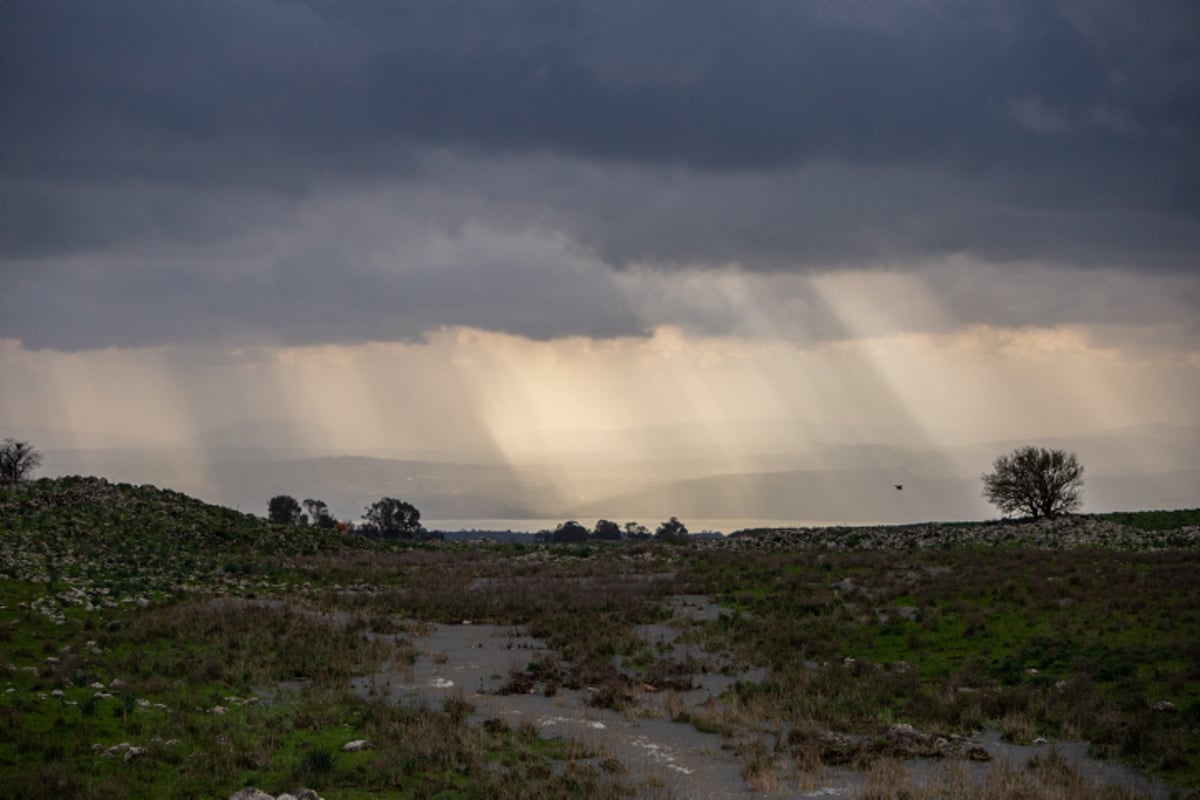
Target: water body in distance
(725, 526)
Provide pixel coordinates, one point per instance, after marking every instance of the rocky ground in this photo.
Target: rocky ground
(1066, 532)
(154, 646)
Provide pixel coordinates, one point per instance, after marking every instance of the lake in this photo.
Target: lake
(720, 525)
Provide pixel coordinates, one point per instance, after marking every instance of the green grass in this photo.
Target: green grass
(191, 617)
(1084, 642)
(174, 607)
(1156, 520)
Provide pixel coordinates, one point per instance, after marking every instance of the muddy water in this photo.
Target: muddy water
(473, 662)
(1099, 772)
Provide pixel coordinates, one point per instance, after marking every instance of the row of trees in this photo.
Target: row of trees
(283, 508)
(386, 517)
(606, 530)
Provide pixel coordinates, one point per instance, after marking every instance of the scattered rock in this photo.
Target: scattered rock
(250, 793)
(1163, 705)
(356, 745)
(1067, 532)
(124, 750)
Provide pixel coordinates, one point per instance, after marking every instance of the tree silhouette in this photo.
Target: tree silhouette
(394, 517)
(283, 508)
(318, 514)
(607, 529)
(635, 530)
(18, 460)
(1036, 482)
(672, 531)
(569, 531)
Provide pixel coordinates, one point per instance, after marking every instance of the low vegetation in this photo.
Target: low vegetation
(155, 646)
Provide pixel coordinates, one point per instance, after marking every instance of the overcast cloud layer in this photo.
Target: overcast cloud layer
(306, 172)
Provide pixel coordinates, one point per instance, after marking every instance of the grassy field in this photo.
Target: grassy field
(155, 646)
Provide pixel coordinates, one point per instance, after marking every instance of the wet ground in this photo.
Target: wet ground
(664, 757)
(474, 662)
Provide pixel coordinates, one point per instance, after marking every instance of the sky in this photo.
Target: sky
(509, 230)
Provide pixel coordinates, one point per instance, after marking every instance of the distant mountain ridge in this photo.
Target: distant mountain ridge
(1145, 467)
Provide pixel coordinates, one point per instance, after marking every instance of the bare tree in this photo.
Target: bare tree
(18, 460)
(1036, 482)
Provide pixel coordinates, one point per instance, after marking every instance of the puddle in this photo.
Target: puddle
(1100, 772)
(843, 782)
(473, 661)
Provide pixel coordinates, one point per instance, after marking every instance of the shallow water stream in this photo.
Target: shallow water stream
(473, 661)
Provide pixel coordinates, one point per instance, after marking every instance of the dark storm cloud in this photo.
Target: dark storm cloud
(340, 271)
(150, 148)
(715, 84)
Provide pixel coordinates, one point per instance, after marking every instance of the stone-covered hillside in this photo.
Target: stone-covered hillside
(103, 543)
(1145, 530)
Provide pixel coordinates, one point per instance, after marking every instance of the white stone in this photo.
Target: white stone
(250, 793)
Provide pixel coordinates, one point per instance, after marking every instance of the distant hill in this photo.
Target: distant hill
(862, 495)
(1154, 466)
